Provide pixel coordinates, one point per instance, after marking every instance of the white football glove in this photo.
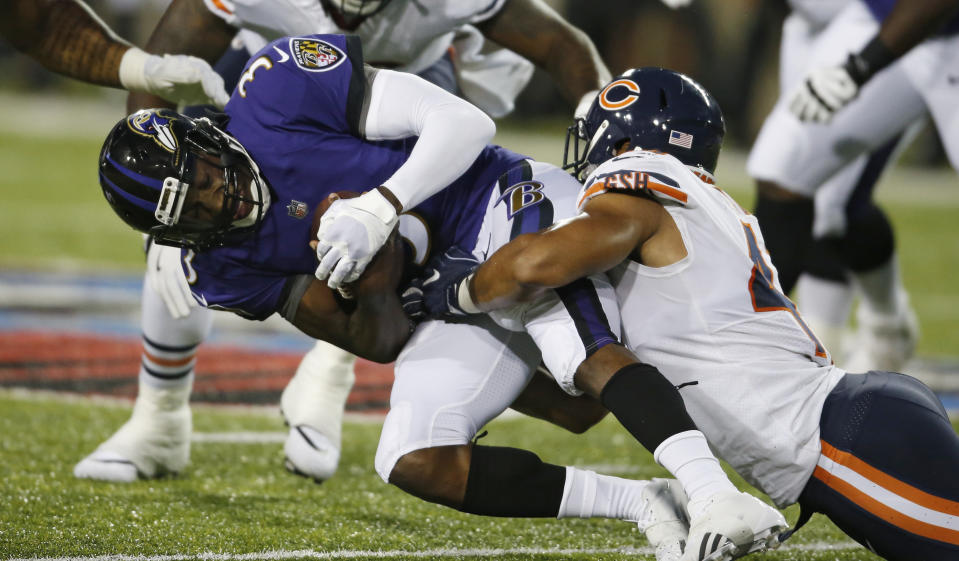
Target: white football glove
(677, 3)
(585, 102)
(165, 276)
(824, 92)
(178, 78)
(350, 234)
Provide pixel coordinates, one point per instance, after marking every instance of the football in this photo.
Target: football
(325, 205)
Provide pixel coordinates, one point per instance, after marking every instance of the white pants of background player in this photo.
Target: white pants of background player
(806, 158)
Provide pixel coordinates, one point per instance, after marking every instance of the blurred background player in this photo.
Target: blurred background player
(68, 38)
(812, 146)
(397, 34)
(850, 232)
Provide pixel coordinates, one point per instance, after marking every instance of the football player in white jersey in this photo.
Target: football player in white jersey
(700, 299)
(810, 146)
(68, 38)
(400, 34)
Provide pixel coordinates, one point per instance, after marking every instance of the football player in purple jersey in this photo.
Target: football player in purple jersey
(440, 40)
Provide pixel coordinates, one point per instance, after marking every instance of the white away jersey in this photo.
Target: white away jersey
(717, 325)
(405, 35)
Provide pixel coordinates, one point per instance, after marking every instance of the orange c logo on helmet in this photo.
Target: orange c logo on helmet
(630, 85)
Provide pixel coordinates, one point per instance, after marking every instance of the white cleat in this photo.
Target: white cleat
(152, 443)
(884, 341)
(664, 518)
(731, 525)
(310, 454)
(312, 405)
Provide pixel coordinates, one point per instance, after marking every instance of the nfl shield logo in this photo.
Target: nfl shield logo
(296, 209)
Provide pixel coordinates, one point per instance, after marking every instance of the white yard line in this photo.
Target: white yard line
(281, 555)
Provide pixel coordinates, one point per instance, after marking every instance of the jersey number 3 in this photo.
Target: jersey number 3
(766, 296)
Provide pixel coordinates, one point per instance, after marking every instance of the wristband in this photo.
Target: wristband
(464, 298)
(874, 57)
(131, 69)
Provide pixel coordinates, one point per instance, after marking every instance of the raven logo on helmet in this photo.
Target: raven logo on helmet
(155, 124)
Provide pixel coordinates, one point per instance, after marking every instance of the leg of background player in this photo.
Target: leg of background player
(156, 439)
(786, 220)
(888, 329)
(825, 297)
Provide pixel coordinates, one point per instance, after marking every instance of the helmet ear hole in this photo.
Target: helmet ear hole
(663, 103)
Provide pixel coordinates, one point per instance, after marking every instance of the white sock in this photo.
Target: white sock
(881, 288)
(687, 456)
(825, 305)
(316, 395)
(588, 494)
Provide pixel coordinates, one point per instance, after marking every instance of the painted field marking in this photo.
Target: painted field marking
(281, 555)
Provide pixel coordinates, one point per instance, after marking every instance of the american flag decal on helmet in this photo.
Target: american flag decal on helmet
(681, 139)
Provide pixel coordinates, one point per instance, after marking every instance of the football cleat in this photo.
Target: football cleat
(312, 405)
(731, 525)
(154, 442)
(884, 341)
(310, 454)
(664, 519)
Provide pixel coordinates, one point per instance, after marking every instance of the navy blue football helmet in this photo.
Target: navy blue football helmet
(654, 109)
(147, 166)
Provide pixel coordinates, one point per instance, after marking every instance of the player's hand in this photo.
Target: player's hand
(412, 301)
(178, 78)
(824, 92)
(165, 276)
(677, 3)
(446, 284)
(350, 234)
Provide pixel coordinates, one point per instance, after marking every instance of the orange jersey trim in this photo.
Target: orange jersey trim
(219, 4)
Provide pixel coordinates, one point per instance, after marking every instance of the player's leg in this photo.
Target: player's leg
(451, 379)
(853, 239)
(887, 472)
(156, 439)
(581, 350)
(791, 159)
(312, 405)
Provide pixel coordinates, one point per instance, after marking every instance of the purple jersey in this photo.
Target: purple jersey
(882, 8)
(297, 111)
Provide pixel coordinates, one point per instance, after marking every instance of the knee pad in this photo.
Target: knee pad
(824, 260)
(869, 241)
(787, 230)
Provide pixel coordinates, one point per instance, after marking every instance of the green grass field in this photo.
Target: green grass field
(235, 501)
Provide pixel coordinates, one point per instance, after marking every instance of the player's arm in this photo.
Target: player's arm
(187, 27)
(827, 90)
(601, 237)
(372, 324)
(66, 37)
(911, 22)
(451, 134)
(534, 30)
